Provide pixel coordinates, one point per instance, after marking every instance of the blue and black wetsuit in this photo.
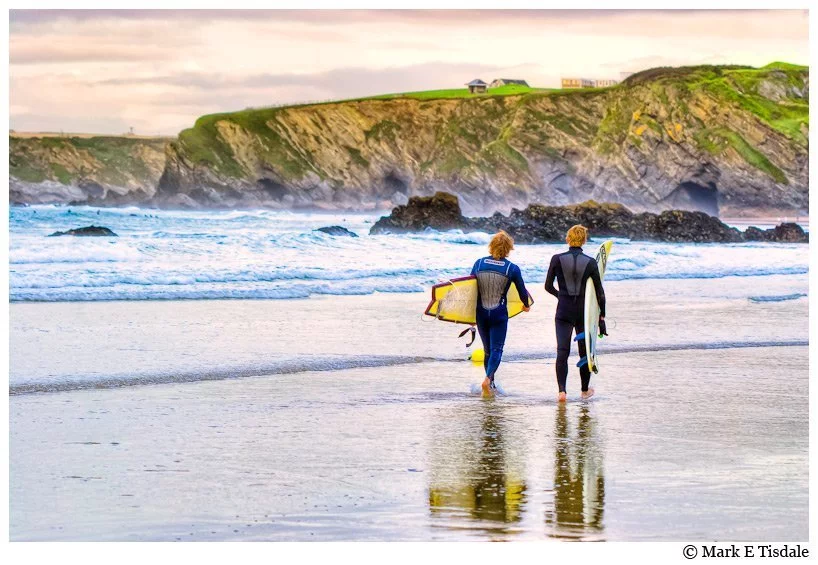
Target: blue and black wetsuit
(494, 278)
(572, 270)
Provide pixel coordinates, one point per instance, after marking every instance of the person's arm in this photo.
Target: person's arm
(517, 279)
(474, 268)
(549, 278)
(600, 292)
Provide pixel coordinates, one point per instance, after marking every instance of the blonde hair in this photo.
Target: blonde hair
(501, 245)
(577, 236)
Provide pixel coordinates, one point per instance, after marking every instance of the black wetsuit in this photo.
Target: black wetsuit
(572, 270)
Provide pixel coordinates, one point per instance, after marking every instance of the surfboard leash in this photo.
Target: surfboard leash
(473, 335)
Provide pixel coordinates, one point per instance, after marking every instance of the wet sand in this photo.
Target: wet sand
(694, 451)
(698, 431)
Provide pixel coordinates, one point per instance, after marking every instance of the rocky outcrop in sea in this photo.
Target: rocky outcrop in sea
(88, 231)
(542, 224)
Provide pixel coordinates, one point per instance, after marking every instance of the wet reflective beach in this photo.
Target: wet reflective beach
(698, 430)
(700, 451)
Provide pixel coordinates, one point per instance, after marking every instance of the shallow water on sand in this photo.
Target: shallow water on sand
(675, 445)
(355, 420)
(64, 346)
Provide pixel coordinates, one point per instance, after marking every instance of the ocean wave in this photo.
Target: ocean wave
(778, 298)
(90, 278)
(629, 263)
(452, 236)
(282, 284)
(199, 255)
(91, 252)
(740, 272)
(253, 291)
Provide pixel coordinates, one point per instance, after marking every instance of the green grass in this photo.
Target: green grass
(27, 172)
(778, 65)
(499, 152)
(203, 144)
(508, 90)
(716, 141)
(452, 162)
(61, 173)
(32, 159)
(614, 127)
(357, 158)
(754, 157)
(385, 130)
(784, 118)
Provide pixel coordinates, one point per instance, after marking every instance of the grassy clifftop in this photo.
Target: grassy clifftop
(713, 137)
(640, 139)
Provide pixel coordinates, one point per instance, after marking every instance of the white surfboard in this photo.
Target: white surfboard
(592, 307)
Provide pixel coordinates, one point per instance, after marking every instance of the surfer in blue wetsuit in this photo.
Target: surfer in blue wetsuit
(495, 274)
(572, 270)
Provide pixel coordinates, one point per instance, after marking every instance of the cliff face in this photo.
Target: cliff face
(724, 140)
(717, 139)
(103, 171)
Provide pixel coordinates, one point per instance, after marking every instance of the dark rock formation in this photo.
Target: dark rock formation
(86, 231)
(337, 231)
(440, 212)
(782, 233)
(539, 224)
(683, 226)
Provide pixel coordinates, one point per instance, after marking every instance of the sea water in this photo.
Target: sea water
(279, 254)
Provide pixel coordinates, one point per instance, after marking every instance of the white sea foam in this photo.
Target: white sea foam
(278, 254)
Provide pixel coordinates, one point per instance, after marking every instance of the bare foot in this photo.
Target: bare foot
(587, 394)
(561, 397)
(487, 389)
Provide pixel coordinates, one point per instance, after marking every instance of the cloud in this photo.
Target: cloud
(352, 79)
(160, 70)
(73, 52)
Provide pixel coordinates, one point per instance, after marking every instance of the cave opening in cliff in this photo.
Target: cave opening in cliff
(694, 196)
(273, 189)
(392, 183)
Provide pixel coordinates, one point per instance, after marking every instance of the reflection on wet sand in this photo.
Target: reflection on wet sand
(579, 484)
(477, 482)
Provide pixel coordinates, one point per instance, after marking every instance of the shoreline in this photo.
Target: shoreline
(424, 292)
(296, 368)
(766, 218)
(150, 341)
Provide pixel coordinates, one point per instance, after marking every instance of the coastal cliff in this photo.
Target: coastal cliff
(102, 171)
(723, 140)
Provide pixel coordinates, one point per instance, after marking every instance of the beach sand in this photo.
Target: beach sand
(698, 431)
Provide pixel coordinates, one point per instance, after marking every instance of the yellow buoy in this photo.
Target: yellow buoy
(477, 356)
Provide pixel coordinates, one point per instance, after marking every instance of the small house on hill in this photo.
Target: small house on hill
(506, 81)
(477, 86)
(578, 83)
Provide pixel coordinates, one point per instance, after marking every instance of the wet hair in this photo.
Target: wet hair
(501, 245)
(577, 236)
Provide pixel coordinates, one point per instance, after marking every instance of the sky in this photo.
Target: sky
(156, 71)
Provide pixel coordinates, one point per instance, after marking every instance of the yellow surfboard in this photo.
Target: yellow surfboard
(456, 301)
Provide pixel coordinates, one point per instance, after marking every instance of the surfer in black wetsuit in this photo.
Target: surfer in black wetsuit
(495, 275)
(572, 270)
